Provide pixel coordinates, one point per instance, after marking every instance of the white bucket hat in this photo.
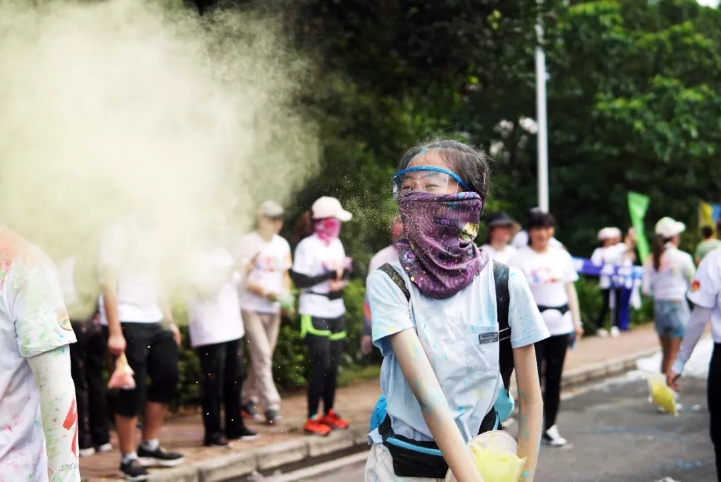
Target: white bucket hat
(669, 227)
(329, 207)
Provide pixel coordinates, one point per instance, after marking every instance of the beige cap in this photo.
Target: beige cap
(668, 227)
(271, 209)
(329, 207)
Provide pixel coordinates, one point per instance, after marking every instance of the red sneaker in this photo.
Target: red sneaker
(334, 421)
(314, 427)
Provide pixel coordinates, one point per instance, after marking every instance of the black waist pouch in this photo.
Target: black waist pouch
(412, 458)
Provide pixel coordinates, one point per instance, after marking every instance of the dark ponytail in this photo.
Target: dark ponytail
(659, 245)
(303, 227)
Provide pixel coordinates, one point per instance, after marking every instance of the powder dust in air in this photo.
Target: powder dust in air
(132, 107)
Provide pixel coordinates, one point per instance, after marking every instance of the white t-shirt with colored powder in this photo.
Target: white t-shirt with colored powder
(502, 256)
(214, 310)
(271, 264)
(547, 275)
(459, 335)
(313, 258)
(33, 321)
(135, 253)
(672, 280)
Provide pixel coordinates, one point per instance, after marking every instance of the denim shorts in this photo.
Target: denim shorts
(671, 317)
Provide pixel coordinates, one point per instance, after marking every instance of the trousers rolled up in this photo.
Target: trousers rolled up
(261, 333)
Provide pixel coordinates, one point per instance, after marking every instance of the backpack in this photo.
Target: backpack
(504, 403)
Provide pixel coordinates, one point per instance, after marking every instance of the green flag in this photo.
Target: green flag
(637, 206)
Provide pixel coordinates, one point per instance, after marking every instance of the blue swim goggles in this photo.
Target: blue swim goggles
(429, 179)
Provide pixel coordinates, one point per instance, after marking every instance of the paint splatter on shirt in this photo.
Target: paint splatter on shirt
(33, 320)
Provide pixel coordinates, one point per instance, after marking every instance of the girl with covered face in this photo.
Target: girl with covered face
(441, 371)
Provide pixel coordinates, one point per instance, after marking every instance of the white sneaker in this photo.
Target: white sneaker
(601, 333)
(86, 452)
(615, 331)
(553, 438)
(105, 448)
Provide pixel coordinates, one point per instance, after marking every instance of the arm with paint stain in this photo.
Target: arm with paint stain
(419, 374)
(530, 407)
(59, 413)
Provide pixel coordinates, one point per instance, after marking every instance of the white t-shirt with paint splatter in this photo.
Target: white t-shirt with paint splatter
(459, 335)
(33, 320)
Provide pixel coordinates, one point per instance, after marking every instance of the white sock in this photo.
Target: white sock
(129, 457)
(150, 445)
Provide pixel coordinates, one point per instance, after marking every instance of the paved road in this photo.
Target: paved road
(617, 436)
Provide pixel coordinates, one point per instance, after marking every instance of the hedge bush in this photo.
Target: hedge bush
(291, 369)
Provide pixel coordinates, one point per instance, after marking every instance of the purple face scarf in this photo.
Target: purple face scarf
(436, 248)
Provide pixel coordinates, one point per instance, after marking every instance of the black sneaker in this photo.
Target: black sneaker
(133, 470)
(245, 435)
(159, 457)
(272, 417)
(216, 440)
(249, 412)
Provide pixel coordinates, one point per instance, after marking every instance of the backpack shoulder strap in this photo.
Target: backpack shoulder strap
(505, 351)
(397, 279)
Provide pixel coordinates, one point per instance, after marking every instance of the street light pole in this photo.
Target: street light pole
(542, 122)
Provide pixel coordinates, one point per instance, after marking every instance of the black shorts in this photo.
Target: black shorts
(151, 351)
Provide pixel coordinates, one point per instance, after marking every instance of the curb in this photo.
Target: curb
(266, 458)
(304, 450)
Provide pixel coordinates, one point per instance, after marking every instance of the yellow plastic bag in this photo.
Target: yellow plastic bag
(495, 458)
(662, 395)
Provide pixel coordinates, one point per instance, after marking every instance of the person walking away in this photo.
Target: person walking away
(267, 283)
(436, 323)
(612, 252)
(499, 235)
(709, 242)
(705, 294)
(79, 283)
(139, 325)
(551, 275)
(388, 254)
(216, 329)
(37, 394)
(667, 274)
(320, 269)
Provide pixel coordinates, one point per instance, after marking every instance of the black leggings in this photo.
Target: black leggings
(222, 378)
(324, 353)
(605, 307)
(714, 404)
(552, 351)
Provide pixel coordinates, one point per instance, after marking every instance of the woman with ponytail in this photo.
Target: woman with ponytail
(667, 275)
(320, 270)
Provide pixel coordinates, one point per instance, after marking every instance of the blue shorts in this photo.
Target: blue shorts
(671, 317)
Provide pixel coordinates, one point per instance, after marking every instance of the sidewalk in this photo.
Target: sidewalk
(286, 443)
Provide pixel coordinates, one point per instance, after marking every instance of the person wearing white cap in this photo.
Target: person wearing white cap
(611, 251)
(267, 287)
(321, 269)
(667, 275)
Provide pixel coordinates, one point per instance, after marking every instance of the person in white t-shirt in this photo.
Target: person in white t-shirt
(37, 396)
(320, 269)
(611, 252)
(216, 328)
(389, 254)
(499, 235)
(267, 284)
(440, 339)
(136, 310)
(705, 294)
(667, 274)
(551, 274)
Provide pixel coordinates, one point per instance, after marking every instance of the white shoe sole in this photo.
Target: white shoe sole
(153, 462)
(136, 478)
